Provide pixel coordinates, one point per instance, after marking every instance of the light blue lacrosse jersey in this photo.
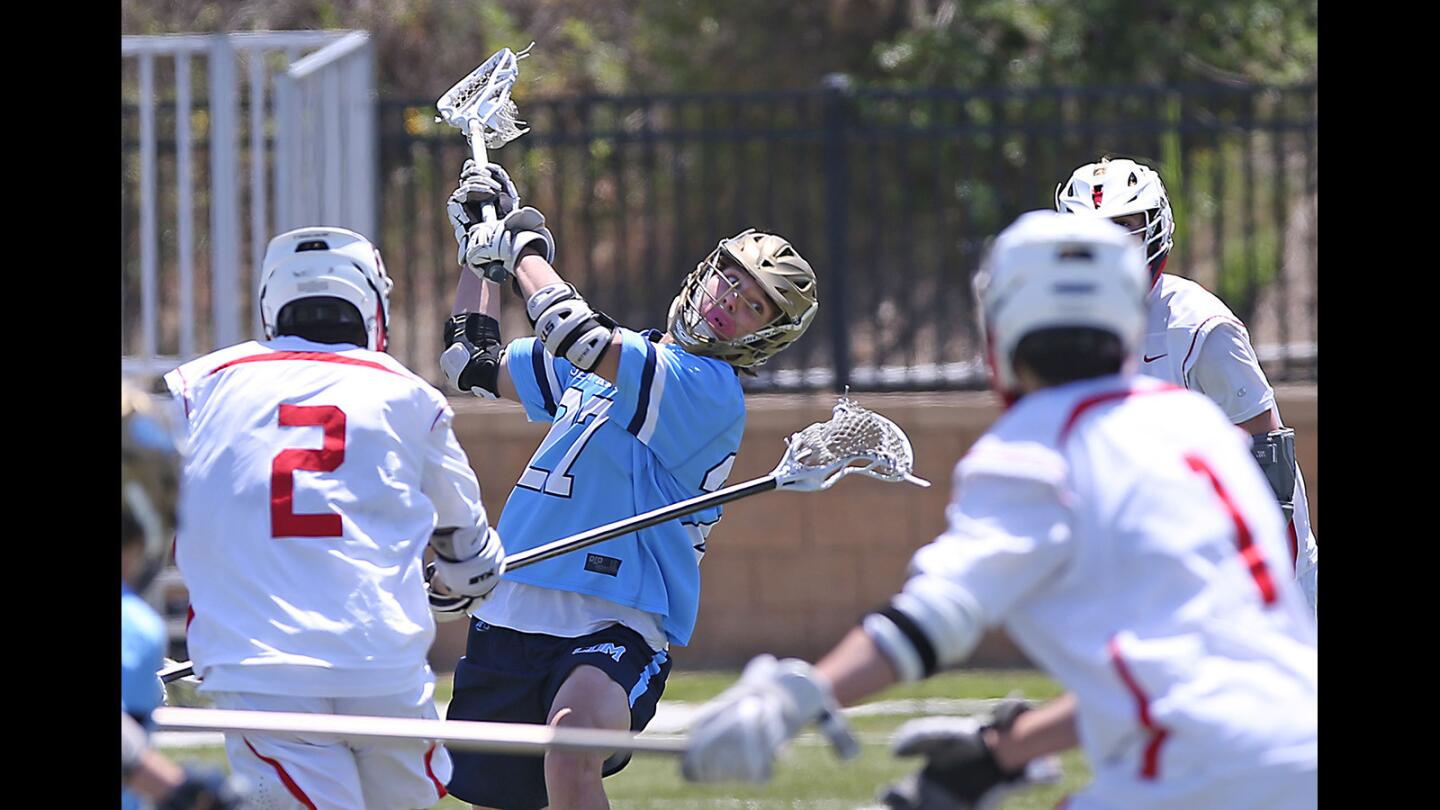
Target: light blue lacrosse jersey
(667, 430)
(142, 653)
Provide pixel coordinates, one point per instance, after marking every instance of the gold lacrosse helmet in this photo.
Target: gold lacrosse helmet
(149, 480)
(784, 275)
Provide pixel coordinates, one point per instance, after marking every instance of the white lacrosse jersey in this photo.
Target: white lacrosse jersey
(313, 479)
(1120, 531)
(1194, 341)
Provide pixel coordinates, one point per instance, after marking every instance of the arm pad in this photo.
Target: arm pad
(567, 327)
(926, 628)
(1275, 453)
(471, 360)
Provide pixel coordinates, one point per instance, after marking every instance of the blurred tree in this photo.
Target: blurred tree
(613, 46)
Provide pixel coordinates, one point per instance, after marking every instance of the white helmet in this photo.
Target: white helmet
(329, 262)
(1117, 188)
(1048, 270)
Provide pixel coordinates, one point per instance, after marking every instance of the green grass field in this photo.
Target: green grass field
(808, 776)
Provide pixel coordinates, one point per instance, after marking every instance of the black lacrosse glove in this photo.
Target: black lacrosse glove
(206, 789)
(961, 772)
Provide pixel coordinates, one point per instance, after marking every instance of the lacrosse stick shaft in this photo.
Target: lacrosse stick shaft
(505, 738)
(654, 517)
(477, 151)
(850, 422)
(599, 534)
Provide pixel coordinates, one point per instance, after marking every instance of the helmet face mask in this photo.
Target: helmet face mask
(1050, 271)
(1120, 188)
(326, 262)
(777, 269)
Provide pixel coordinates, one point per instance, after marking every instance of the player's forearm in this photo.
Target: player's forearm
(1264, 423)
(532, 272)
(856, 668)
(1045, 730)
(473, 294)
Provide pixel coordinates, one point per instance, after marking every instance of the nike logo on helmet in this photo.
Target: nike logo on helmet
(1150, 359)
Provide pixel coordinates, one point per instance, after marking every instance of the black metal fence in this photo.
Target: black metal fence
(891, 195)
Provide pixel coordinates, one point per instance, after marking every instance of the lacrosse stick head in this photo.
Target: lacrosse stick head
(481, 100)
(854, 440)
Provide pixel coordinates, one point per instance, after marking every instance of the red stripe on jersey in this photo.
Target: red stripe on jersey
(436, 420)
(439, 788)
(1100, 399)
(1150, 768)
(284, 777)
(1196, 336)
(1249, 552)
(189, 617)
(319, 357)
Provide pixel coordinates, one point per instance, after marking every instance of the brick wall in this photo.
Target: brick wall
(789, 573)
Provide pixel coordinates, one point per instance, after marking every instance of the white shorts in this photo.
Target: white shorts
(296, 771)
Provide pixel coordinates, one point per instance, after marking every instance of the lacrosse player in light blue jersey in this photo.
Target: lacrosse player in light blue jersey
(640, 420)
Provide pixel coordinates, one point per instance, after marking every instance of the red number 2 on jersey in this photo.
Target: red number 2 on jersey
(283, 520)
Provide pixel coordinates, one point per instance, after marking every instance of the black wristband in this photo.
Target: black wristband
(929, 661)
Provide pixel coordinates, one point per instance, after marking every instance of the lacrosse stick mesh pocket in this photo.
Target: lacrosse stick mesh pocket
(853, 433)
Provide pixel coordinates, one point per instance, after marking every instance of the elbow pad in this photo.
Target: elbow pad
(567, 327)
(929, 626)
(1275, 453)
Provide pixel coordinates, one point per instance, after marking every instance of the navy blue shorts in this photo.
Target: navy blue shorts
(512, 677)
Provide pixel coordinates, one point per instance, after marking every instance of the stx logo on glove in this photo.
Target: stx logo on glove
(607, 649)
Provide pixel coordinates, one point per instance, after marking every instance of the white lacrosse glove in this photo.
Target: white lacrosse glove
(446, 607)
(468, 562)
(478, 188)
(492, 248)
(738, 734)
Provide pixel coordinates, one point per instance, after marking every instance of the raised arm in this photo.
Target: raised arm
(473, 359)
(564, 322)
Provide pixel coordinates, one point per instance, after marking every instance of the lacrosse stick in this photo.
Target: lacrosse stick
(479, 105)
(854, 440)
(504, 738)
